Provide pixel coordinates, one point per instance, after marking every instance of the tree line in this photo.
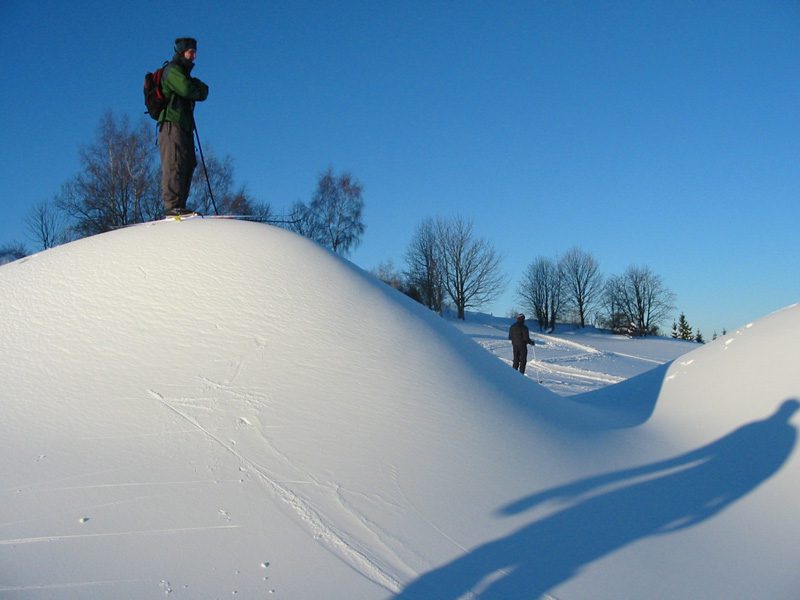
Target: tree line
(446, 263)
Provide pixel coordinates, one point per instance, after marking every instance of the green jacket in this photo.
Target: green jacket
(182, 91)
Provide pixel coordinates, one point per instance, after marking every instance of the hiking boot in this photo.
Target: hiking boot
(177, 212)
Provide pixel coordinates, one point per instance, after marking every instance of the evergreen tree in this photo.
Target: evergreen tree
(684, 329)
(674, 330)
(699, 338)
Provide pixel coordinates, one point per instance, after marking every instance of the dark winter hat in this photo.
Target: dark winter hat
(184, 44)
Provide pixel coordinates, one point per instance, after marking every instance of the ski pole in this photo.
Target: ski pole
(538, 375)
(205, 170)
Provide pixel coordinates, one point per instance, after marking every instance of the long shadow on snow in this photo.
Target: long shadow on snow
(610, 511)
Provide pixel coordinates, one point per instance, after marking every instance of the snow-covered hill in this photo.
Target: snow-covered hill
(209, 408)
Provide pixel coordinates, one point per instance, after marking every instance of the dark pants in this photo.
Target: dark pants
(520, 357)
(178, 160)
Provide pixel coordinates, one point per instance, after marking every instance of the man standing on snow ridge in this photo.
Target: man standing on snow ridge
(520, 337)
(176, 126)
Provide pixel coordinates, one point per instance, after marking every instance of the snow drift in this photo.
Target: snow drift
(208, 408)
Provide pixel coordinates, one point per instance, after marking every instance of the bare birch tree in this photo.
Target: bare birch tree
(118, 183)
(334, 218)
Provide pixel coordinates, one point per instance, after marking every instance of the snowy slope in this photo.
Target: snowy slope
(209, 408)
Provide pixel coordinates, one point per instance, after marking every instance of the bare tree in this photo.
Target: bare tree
(220, 181)
(45, 225)
(118, 183)
(541, 291)
(228, 201)
(637, 301)
(388, 274)
(582, 281)
(470, 266)
(425, 265)
(11, 252)
(616, 316)
(262, 211)
(301, 221)
(334, 218)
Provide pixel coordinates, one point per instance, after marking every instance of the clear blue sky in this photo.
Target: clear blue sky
(657, 133)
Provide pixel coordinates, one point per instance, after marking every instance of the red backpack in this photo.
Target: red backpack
(154, 98)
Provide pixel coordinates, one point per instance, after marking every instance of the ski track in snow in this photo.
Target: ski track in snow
(321, 528)
(64, 586)
(564, 366)
(377, 535)
(59, 538)
(553, 371)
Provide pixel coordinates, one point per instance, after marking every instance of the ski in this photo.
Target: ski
(194, 215)
(254, 218)
(183, 217)
(239, 217)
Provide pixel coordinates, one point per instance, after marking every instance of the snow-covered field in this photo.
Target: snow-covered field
(574, 360)
(217, 409)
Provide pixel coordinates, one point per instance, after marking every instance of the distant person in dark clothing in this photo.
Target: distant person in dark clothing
(520, 337)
